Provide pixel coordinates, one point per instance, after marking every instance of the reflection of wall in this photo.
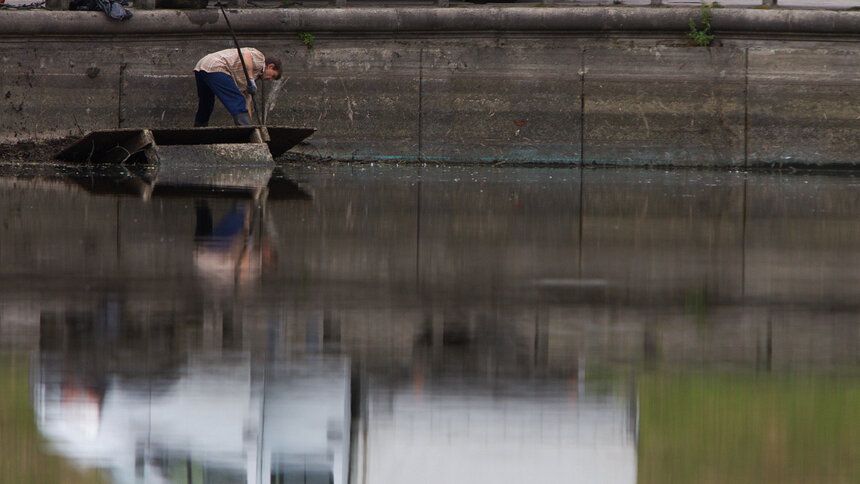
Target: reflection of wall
(802, 235)
(19, 324)
(392, 336)
(556, 339)
(638, 265)
(216, 417)
(646, 234)
(651, 236)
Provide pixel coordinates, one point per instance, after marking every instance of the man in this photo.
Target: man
(221, 74)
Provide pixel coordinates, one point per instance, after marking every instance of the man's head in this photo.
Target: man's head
(273, 69)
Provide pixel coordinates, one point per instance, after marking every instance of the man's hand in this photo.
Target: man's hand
(252, 88)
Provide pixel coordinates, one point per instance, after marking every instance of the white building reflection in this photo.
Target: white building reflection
(549, 431)
(222, 421)
(234, 420)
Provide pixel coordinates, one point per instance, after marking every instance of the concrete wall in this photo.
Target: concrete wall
(604, 85)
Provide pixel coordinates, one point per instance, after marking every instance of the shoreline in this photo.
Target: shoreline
(41, 154)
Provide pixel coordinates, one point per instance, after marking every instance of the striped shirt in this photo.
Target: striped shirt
(227, 61)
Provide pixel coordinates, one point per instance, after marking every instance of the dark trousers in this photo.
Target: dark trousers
(210, 85)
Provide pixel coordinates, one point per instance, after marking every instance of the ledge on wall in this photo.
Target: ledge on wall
(429, 20)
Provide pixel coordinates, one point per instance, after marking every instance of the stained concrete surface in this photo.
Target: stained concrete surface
(804, 4)
(614, 93)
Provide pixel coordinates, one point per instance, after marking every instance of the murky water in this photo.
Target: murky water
(404, 324)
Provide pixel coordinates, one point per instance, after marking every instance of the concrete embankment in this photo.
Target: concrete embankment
(569, 85)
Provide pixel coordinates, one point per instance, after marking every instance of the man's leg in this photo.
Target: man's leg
(204, 219)
(226, 91)
(205, 100)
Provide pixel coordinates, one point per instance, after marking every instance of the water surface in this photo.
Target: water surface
(385, 324)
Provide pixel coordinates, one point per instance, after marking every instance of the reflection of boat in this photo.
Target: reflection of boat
(226, 419)
(252, 244)
(225, 181)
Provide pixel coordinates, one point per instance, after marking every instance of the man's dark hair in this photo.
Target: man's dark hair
(276, 62)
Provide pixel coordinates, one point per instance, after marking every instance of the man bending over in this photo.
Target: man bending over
(221, 74)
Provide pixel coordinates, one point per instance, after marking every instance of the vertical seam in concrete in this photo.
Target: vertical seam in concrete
(420, 100)
(119, 96)
(746, 107)
(582, 108)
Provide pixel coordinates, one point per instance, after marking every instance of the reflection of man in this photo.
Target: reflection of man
(234, 224)
(221, 74)
(225, 251)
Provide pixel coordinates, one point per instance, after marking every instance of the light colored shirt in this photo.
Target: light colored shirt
(227, 61)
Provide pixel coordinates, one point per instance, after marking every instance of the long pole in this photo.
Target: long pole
(242, 60)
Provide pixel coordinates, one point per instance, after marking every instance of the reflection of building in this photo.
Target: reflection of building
(141, 398)
(224, 420)
(512, 432)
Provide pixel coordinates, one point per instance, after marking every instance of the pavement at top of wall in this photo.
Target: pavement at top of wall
(794, 4)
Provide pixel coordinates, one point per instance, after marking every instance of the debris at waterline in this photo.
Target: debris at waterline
(32, 151)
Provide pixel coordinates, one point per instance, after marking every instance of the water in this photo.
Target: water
(381, 324)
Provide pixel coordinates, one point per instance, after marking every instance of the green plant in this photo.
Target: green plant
(701, 32)
(307, 39)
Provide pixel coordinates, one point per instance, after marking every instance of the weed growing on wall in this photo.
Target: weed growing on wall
(307, 39)
(700, 32)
